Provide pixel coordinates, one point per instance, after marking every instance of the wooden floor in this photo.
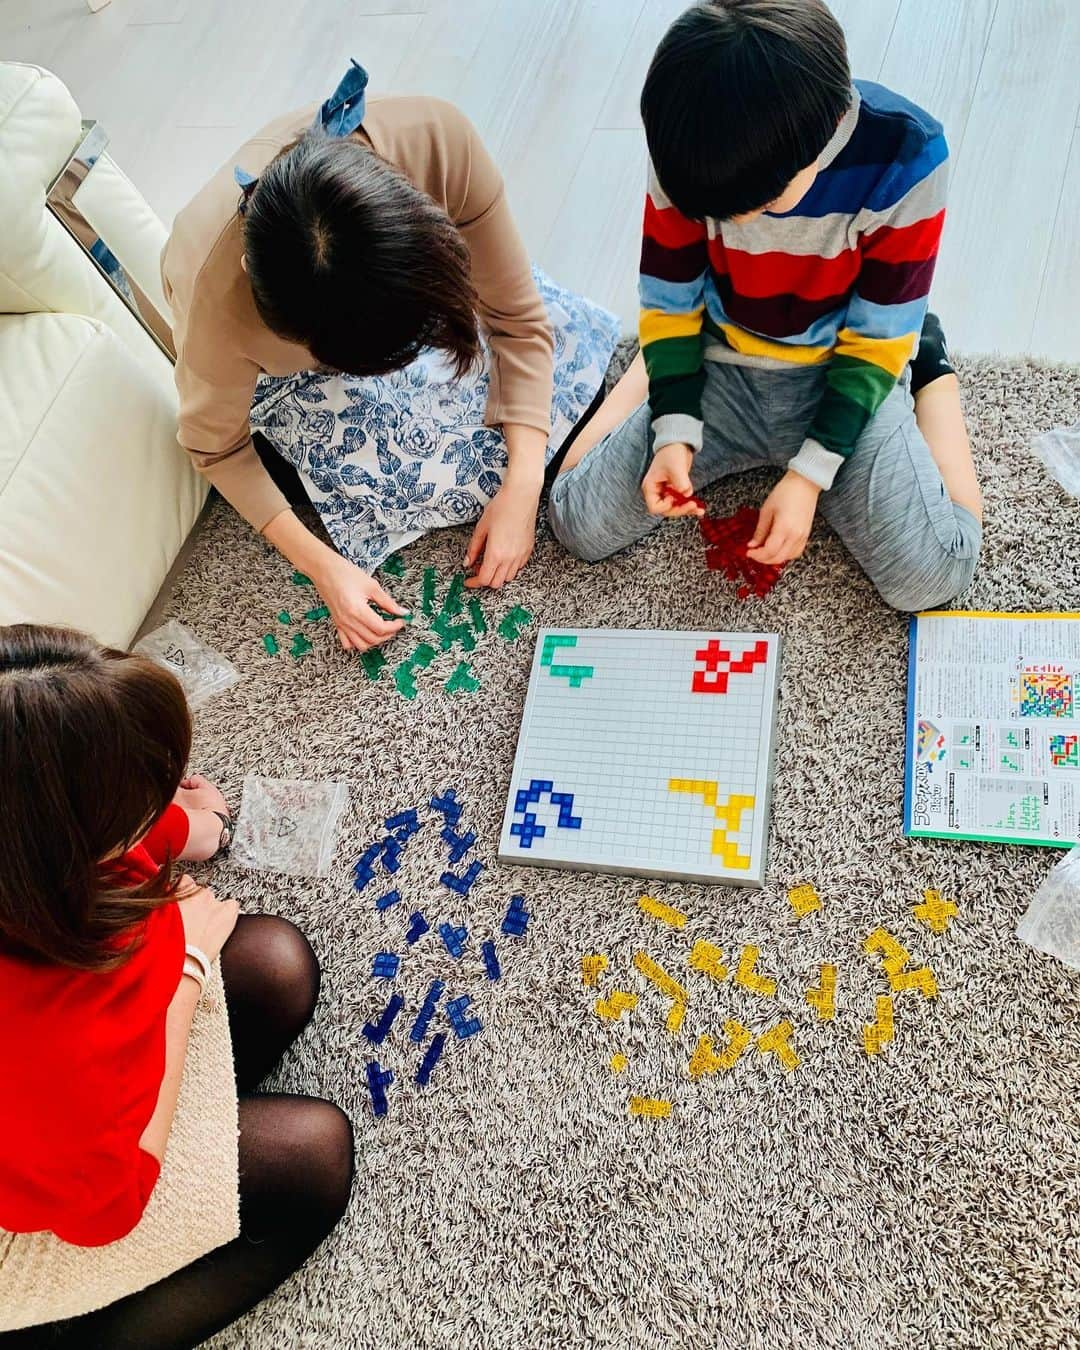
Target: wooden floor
(553, 85)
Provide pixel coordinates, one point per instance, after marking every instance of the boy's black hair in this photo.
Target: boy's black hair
(346, 257)
(742, 95)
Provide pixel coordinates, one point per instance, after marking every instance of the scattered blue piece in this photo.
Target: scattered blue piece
(385, 965)
(517, 917)
(491, 961)
(528, 830)
(377, 1032)
(459, 843)
(378, 1081)
(403, 819)
(385, 901)
(462, 883)
(434, 1050)
(418, 926)
(427, 1012)
(448, 806)
(361, 878)
(455, 939)
(391, 854)
(463, 1026)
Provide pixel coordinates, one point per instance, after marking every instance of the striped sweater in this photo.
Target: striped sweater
(842, 280)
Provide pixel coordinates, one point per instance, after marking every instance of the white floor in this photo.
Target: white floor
(553, 84)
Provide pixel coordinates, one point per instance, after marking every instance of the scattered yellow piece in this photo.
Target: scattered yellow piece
(665, 913)
(649, 1106)
(591, 967)
(618, 1063)
(823, 998)
(705, 1058)
(777, 1041)
(613, 1007)
(658, 976)
(708, 958)
(935, 912)
(893, 957)
(803, 900)
(921, 979)
(880, 1032)
(675, 1018)
(748, 978)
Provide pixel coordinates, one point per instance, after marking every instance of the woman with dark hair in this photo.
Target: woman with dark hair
(369, 307)
(117, 1041)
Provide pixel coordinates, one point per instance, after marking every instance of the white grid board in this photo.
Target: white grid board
(616, 742)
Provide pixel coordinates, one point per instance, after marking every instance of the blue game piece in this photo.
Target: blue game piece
(527, 829)
(378, 1081)
(517, 917)
(385, 966)
(455, 939)
(361, 879)
(385, 901)
(462, 1025)
(491, 961)
(448, 806)
(403, 820)
(434, 1050)
(427, 1012)
(462, 883)
(377, 1032)
(391, 854)
(418, 926)
(459, 843)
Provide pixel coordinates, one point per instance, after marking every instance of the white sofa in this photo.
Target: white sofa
(96, 498)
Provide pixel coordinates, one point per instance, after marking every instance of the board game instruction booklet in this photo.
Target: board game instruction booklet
(993, 728)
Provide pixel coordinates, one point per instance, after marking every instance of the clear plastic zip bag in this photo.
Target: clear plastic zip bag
(202, 671)
(1052, 922)
(1059, 450)
(288, 825)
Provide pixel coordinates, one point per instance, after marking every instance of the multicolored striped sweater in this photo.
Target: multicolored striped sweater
(842, 279)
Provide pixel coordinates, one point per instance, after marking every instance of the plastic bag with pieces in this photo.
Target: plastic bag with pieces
(288, 825)
(1052, 922)
(1059, 450)
(202, 671)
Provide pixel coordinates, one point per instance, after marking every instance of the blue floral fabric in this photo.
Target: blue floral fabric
(387, 458)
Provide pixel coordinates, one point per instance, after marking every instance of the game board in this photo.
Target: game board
(647, 753)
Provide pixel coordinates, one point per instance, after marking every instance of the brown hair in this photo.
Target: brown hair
(93, 745)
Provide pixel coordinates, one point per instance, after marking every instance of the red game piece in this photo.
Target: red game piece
(726, 539)
(680, 499)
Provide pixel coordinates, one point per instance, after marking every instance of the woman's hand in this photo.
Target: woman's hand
(349, 593)
(670, 465)
(208, 921)
(197, 793)
(784, 521)
(505, 534)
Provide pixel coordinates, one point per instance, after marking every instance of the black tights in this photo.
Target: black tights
(296, 1166)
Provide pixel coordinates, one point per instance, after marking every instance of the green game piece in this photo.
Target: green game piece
(373, 661)
(394, 567)
(284, 616)
(512, 624)
(300, 646)
(424, 655)
(575, 674)
(552, 643)
(321, 612)
(479, 623)
(385, 614)
(270, 643)
(427, 602)
(298, 579)
(462, 678)
(403, 679)
(449, 633)
(451, 606)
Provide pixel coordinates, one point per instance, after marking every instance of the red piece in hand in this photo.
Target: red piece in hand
(726, 541)
(679, 498)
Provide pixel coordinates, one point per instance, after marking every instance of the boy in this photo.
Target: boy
(791, 229)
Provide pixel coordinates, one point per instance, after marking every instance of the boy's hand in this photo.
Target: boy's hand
(784, 520)
(670, 465)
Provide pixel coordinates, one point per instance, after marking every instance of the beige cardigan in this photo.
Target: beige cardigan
(222, 345)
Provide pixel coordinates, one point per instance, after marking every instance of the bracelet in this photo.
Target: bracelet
(225, 838)
(193, 970)
(200, 958)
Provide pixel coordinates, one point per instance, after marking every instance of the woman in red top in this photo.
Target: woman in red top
(103, 956)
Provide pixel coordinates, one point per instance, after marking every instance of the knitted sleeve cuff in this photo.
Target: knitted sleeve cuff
(816, 463)
(677, 429)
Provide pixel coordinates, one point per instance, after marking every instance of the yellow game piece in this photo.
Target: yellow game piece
(880, 1032)
(921, 979)
(649, 1106)
(618, 1063)
(777, 1041)
(708, 958)
(893, 957)
(658, 976)
(665, 913)
(748, 978)
(739, 1037)
(704, 1060)
(675, 1018)
(803, 900)
(730, 813)
(823, 998)
(935, 912)
(613, 1007)
(591, 967)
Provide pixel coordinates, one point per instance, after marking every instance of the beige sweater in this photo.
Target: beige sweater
(222, 345)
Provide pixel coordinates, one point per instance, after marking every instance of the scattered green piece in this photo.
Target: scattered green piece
(424, 655)
(452, 604)
(479, 623)
(403, 678)
(385, 614)
(284, 616)
(514, 622)
(427, 602)
(462, 678)
(298, 579)
(300, 646)
(394, 567)
(373, 661)
(449, 633)
(320, 612)
(270, 643)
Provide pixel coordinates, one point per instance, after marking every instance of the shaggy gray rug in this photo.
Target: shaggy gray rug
(924, 1198)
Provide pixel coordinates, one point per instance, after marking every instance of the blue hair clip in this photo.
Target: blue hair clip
(343, 111)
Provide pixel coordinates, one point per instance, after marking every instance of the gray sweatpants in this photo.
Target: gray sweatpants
(888, 503)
